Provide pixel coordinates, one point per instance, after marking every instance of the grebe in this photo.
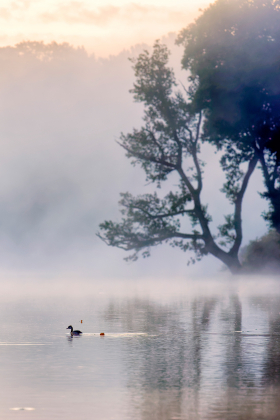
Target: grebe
(76, 332)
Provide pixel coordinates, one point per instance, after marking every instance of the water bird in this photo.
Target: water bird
(75, 332)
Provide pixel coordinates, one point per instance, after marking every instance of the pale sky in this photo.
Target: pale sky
(104, 27)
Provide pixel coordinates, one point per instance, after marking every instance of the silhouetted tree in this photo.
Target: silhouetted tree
(170, 141)
(263, 254)
(232, 52)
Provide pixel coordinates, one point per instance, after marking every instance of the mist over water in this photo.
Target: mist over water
(181, 350)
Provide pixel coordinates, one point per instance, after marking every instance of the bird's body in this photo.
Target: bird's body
(75, 332)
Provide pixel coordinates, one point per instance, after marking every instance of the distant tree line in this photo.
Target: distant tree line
(233, 103)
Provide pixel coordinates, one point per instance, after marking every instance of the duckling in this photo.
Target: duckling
(76, 332)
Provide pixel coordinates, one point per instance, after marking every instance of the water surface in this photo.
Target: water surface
(172, 350)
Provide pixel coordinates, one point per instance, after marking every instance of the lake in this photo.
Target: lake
(172, 350)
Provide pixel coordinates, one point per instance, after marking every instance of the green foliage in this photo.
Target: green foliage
(170, 141)
(262, 254)
(154, 79)
(148, 220)
(231, 163)
(227, 231)
(157, 146)
(169, 135)
(232, 51)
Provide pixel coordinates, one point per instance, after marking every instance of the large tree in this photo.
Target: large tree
(233, 54)
(170, 142)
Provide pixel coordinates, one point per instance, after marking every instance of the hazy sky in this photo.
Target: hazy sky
(102, 26)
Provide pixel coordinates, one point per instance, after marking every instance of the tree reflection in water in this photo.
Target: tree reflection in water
(271, 367)
(197, 362)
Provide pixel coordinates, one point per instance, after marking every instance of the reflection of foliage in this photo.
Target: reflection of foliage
(271, 372)
(170, 142)
(271, 366)
(167, 360)
(195, 363)
(263, 254)
(232, 51)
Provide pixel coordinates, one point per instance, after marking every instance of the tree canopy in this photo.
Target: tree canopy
(262, 254)
(232, 53)
(170, 142)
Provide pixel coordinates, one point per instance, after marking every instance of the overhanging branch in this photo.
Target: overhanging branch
(135, 242)
(148, 158)
(160, 216)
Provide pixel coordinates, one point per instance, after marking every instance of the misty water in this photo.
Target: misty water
(172, 350)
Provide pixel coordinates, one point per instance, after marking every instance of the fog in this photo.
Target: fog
(102, 26)
(62, 170)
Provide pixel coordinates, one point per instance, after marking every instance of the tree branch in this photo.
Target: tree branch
(154, 140)
(198, 170)
(190, 133)
(238, 206)
(135, 243)
(268, 182)
(160, 216)
(179, 157)
(275, 173)
(194, 155)
(148, 157)
(186, 181)
(198, 127)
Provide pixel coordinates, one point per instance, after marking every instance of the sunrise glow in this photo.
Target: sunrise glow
(103, 27)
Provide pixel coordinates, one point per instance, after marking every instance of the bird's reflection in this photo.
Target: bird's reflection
(71, 336)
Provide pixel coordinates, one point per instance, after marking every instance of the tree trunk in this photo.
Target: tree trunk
(232, 263)
(272, 193)
(234, 266)
(275, 215)
(229, 259)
